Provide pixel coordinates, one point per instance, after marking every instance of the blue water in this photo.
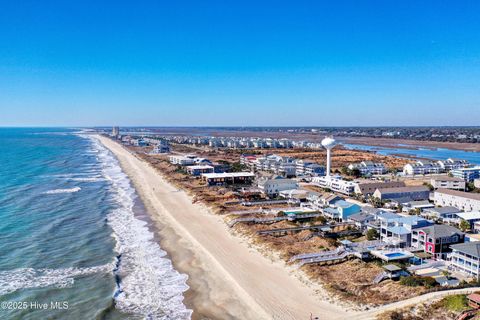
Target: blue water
(72, 232)
(394, 255)
(428, 153)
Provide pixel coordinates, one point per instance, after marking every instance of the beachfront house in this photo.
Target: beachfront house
(182, 160)
(437, 239)
(295, 195)
(228, 178)
(197, 170)
(160, 146)
(398, 230)
(272, 186)
(361, 220)
(465, 258)
(341, 210)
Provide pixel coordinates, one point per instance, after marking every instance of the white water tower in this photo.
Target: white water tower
(328, 143)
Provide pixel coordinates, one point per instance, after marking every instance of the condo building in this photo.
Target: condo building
(369, 168)
(465, 201)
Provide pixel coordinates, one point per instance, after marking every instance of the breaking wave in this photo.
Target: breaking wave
(59, 191)
(24, 278)
(148, 284)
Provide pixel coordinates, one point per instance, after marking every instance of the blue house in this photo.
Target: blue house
(341, 210)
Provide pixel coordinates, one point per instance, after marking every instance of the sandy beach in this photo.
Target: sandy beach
(228, 279)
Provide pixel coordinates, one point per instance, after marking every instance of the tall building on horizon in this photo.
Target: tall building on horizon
(115, 131)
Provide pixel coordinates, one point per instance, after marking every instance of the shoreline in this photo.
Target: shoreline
(228, 279)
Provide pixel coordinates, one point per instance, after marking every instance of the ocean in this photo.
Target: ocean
(75, 240)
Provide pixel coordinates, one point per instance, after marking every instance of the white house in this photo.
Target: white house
(465, 258)
(272, 187)
(182, 160)
(335, 183)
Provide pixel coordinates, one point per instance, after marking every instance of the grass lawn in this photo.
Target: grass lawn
(455, 303)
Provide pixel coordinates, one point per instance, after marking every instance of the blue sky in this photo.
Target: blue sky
(79, 63)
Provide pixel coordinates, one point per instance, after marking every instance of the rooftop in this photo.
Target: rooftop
(380, 185)
(471, 248)
(199, 167)
(420, 203)
(388, 215)
(447, 178)
(441, 230)
(469, 195)
(474, 297)
(227, 175)
(404, 189)
(391, 267)
(344, 204)
(467, 169)
(360, 217)
(471, 215)
(398, 230)
(444, 210)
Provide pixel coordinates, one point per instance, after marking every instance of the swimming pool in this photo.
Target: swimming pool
(395, 255)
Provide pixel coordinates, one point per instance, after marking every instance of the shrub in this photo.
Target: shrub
(416, 281)
(372, 234)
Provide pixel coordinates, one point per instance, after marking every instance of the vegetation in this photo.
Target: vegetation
(456, 303)
(237, 167)
(321, 220)
(372, 234)
(416, 281)
(464, 225)
(376, 202)
(429, 186)
(180, 169)
(355, 172)
(471, 187)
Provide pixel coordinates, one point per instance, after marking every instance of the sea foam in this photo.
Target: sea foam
(59, 191)
(148, 283)
(23, 278)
